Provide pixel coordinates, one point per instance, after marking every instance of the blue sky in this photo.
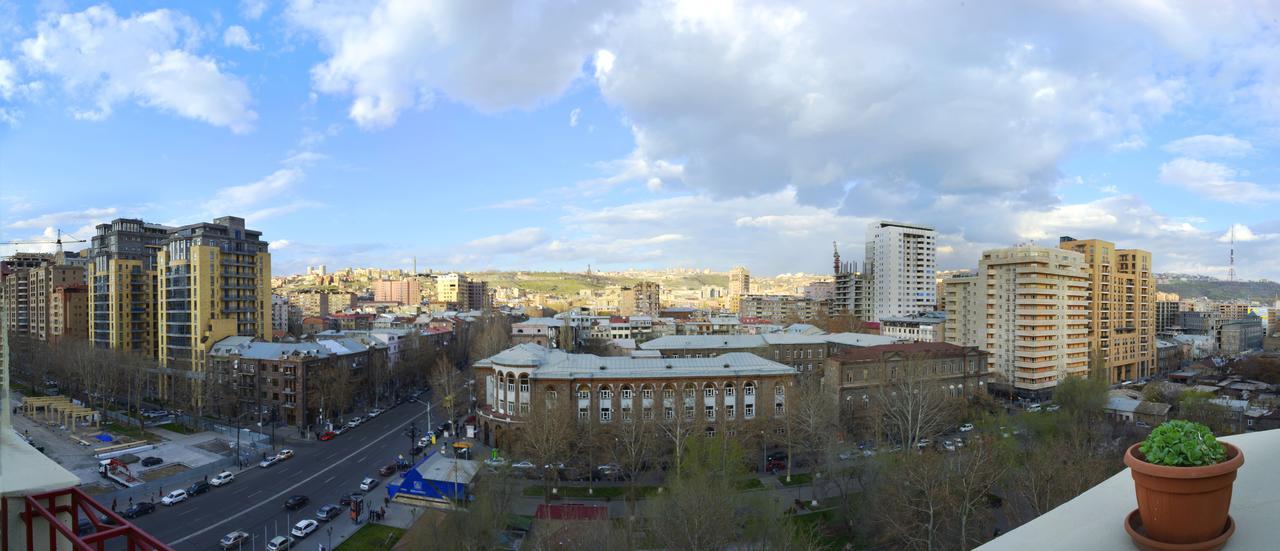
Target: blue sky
(552, 135)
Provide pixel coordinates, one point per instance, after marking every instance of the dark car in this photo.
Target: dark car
(328, 512)
(151, 461)
(139, 509)
(417, 450)
(295, 502)
(198, 487)
(387, 470)
(775, 466)
(349, 498)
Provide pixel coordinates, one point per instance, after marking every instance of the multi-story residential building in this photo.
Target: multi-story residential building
(849, 290)
(44, 299)
(780, 308)
(1232, 310)
(539, 331)
(457, 292)
(708, 393)
(803, 352)
(642, 298)
(280, 314)
(1168, 356)
(293, 381)
(317, 303)
(857, 377)
(214, 282)
(739, 281)
(964, 300)
(1037, 317)
(124, 304)
(1199, 323)
(927, 327)
(1122, 307)
(1166, 315)
(403, 291)
(900, 264)
(820, 290)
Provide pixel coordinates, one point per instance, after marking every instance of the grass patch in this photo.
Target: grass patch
(176, 427)
(749, 484)
(162, 472)
(580, 492)
(372, 537)
(796, 479)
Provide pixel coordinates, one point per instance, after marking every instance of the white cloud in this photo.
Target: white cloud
(280, 244)
(1242, 234)
(148, 58)
(254, 194)
(278, 210)
(573, 116)
(511, 242)
(522, 203)
(1131, 143)
(393, 55)
(1214, 181)
(304, 158)
(66, 218)
(8, 79)
(253, 9)
(238, 37)
(1210, 146)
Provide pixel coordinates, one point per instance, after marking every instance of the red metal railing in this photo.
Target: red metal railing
(46, 505)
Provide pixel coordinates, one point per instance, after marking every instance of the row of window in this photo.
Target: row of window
(669, 413)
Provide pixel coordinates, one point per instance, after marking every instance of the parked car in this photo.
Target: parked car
(151, 461)
(304, 528)
(522, 465)
(923, 443)
(296, 502)
(222, 479)
(846, 455)
(966, 427)
(328, 512)
(773, 466)
(198, 487)
(175, 497)
(1033, 407)
(139, 509)
(284, 454)
(348, 498)
(948, 445)
(234, 539)
(375, 412)
(327, 435)
(340, 429)
(1143, 425)
(368, 483)
(495, 461)
(269, 461)
(1052, 408)
(279, 543)
(387, 470)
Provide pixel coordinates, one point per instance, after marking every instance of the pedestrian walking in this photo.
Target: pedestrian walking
(130, 502)
(113, 505)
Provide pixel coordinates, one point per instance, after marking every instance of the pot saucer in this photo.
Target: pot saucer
(1133, 525)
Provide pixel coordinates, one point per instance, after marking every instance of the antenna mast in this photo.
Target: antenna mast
(1231, 270)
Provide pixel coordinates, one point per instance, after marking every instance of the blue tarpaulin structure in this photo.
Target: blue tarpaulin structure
(437, 478)
(105, 437)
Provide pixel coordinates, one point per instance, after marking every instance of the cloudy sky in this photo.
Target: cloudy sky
(551, 135)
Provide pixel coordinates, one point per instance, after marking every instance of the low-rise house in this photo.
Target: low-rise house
(1130, 410)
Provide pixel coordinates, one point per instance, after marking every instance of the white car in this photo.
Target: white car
(284, 454)
(966, 427)
(375, 412)
(221, 479)
(304, 528)
(269, 461)
(522, 465)
(175, 497)
(495, 462)
(368, 483)
(279, 542)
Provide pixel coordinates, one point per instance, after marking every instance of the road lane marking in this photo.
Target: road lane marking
(330, 479)
(291, 488)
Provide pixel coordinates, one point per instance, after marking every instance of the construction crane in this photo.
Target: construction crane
(58, 255)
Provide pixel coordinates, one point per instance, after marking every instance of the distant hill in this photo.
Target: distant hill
(1217, 289)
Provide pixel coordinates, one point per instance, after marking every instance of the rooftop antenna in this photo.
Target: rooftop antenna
(1231, 270)
(836, 250)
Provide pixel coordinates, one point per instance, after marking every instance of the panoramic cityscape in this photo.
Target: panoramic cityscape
(668, 275)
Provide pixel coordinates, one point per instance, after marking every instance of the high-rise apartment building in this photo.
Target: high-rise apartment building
(316, 303)
(43, 297)
(460, 293)
(1122, 307)
(780, 308)
(964, 299)
(214, 283)
(642, 298)
(1232, 310)
(404, 291)
(900, 264)
(123, 304)
(739, 286)
(849, 294)
(1166, 315)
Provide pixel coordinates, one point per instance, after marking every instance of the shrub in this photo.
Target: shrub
(1180, 443)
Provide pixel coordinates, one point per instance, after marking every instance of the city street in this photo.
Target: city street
(322, 471)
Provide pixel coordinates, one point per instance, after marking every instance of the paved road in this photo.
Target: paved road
(321, 471)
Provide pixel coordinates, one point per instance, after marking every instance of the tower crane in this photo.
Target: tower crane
(58, 255)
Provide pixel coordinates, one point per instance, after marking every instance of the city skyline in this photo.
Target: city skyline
(584, 144)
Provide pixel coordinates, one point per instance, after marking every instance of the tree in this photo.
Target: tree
(910, 404)
(449, 389)
(1196, 406)
(936, 501)
(634, 446)
(678, 430)
(814, 417)
(547, 438)
(489, 335)
(1081, 396)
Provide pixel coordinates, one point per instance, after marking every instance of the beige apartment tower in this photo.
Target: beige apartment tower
(966, 310)
(1122, 307)
(1036, 304)
(643, 298)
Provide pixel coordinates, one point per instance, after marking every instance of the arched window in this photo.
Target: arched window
(728, 390)
(584, 392)
(709, 390)
(646, 391)
(749, 389)
(524, 384)
(627, 395)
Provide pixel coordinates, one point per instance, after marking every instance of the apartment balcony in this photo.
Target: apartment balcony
(1095, 519)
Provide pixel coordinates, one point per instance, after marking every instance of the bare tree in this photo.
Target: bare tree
(814, 422)
(449, 388)
(546, 438)
(911, 404)
(683, 425)
(489, 335)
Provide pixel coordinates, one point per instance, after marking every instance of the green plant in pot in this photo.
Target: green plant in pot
(1183, 477)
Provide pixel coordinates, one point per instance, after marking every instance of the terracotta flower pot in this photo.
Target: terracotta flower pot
(1183, 505)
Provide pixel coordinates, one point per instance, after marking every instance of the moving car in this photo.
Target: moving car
(295, 502)
(139, 509)
(348, 498)
(223, 478)
(375, 412)
(175, 497)
(966, 427)
(269, 461)
(279, 542)
(304, 528)
(234, 539)
(328, 512)
(151, 461)
(284, 454)
(387, 470)
(368, 483)
(340, 429)
(327, 435)
(198, 487)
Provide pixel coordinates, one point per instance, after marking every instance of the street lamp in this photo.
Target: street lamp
(412, 432)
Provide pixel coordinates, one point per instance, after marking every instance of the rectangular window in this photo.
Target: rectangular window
(648, 414)
(749, 390)
(688, 393)
(583, 414)
(584, 395)
(647, 394)
(778, 409)
(729, 411)
(524, 409)
(605, 415)
(711, 413)
(626, 394)
(524, 387)
(669, 413)
(688, 413)
(728, 392)
(668, 394)
(626, 416)
(750, 411)
(606, 395)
